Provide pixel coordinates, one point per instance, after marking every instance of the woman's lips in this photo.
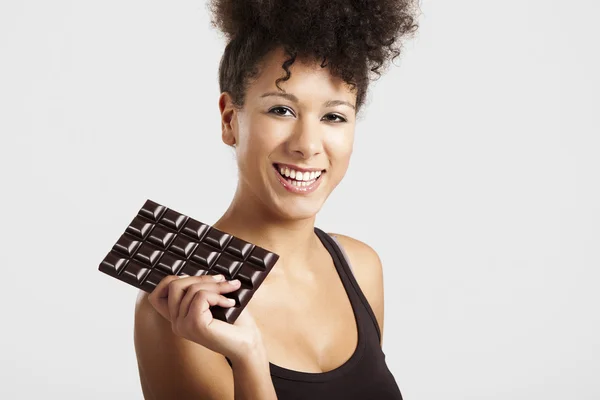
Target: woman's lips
(298, 189)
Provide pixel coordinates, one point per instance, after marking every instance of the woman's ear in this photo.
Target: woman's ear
(227, 119)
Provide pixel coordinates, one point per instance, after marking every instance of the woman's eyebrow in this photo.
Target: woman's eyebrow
(291, 97)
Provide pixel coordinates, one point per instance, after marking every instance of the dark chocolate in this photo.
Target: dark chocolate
(160, 241)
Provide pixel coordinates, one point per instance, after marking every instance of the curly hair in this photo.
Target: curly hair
(351, 37)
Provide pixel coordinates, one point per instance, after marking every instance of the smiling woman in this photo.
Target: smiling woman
(293, 79)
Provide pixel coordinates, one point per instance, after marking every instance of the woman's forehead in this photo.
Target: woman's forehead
(306, 79)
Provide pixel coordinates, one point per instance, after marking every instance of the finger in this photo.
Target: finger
(200, 316)
(229, 286)
(179, 287)
(215, 299)
(221, 287)
(158, 297)
(201, 303)
(161, 290)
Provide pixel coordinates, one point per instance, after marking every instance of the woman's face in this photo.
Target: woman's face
(308, 133)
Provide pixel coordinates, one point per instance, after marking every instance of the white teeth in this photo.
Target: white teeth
(301, 183)
(299, 176)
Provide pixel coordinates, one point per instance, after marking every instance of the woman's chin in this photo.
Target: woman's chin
(297, 210)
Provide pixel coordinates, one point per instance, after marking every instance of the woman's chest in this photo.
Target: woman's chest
(307, 328)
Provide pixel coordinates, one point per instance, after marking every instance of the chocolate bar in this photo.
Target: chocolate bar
(160, 241)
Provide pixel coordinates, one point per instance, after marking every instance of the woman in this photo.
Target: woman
(293, 78)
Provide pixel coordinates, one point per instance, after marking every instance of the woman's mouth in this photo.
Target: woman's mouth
(298, 181)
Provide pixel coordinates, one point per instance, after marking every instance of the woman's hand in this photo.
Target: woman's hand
(185, 302)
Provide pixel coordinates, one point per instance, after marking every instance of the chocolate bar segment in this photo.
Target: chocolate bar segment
(160, 241)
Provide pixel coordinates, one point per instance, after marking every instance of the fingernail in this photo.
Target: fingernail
(218, 277)
(234, 282)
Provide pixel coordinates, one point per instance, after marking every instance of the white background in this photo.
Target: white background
(477, 159)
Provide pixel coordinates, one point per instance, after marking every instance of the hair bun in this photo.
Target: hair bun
(355, 37)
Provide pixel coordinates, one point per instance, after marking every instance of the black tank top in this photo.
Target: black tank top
(365, 374)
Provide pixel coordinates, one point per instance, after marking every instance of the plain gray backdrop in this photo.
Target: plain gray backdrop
(475, 176)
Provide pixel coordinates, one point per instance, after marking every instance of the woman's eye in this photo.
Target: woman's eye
(279, 108)
(337, 116)
(340, 119)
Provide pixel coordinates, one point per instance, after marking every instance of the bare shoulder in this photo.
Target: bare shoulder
(171, 367)
(368, 272)
(364, 252)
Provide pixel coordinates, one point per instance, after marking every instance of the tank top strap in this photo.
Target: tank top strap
(337, 241)
(344, 267)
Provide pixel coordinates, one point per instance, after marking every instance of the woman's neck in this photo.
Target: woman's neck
(294, 240)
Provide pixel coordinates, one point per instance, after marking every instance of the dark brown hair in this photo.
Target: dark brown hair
(350, 37)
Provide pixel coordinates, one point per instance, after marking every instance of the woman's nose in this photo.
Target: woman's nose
(306, 140)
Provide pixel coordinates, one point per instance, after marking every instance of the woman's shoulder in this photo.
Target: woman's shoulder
(368, 272)
(359, 251)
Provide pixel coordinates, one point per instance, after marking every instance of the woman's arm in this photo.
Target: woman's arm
(252, 377)
(172, 367)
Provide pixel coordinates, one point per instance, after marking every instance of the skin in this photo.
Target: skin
(274, 129)
(306, 133)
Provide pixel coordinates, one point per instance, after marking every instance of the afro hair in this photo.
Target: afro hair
(351, 37)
